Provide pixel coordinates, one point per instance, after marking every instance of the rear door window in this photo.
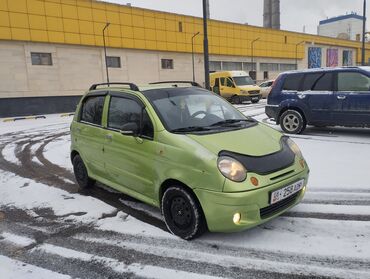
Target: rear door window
(293, 82)
(92, 110)
(351, 81)
(324, 83)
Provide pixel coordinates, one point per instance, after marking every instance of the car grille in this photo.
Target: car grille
(270, 210)
(254, 92)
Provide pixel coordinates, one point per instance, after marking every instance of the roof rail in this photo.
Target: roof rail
(174, 83)
(132, 86)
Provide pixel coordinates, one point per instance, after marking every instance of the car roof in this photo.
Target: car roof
(336, 69)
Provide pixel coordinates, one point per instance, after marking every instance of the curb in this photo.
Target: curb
(67, 114)
(24, 118)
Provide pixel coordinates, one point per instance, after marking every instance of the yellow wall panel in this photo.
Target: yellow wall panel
(161, 46)
(171, 25)
(84, 13)
(18, 20)
(161, 35)
(160, 24)
(71, 25)
(69, 11)
(21, 34)
(139, 33)
(36, 7)
(84, 3)
(171, 46)
(171, 36)
(149, 22)
(72, 38)
(181, 47)
(125, 19)
(37, 22)
(57, 37)
(125, 9)
(4, 19)
(99, 15)
(114, 42)
(137, 21)
(113, 17)
(127, 43)
(139, 44)
(150, 34)
(98, 28)
(114, 30)
(98, 5)
(5, 33)
(19, 6)
(70, 2)
(87, 39)
(150, 44)
(54, 24)
(53, 9)
(112, 7)
(4, 5)
(127, 32)
(39, 35)
(86, 27)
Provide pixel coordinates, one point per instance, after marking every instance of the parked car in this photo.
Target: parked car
(235, 86)
(321, 97)
(189, 152)
(266, 87)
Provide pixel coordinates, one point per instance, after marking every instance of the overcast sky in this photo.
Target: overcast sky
(295, 14)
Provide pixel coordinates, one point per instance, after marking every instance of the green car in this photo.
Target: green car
(188, 152)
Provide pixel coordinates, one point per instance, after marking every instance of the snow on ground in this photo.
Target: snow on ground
(58, 152)
(12, 269)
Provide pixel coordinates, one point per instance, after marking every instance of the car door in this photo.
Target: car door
(89, 133)
(317, 94)
(129, 159)
(228, 88)
(353, 98)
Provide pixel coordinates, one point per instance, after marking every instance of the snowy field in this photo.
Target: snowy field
(48, 229)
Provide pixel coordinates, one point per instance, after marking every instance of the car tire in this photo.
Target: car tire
(292, 122)
(236, 100)
(81, 174)
(182, 213)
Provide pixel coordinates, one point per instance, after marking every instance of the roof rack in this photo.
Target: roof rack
(174, 83)
(132, 86)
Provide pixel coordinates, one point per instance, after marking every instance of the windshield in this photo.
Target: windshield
(245, 80)
(194, 109)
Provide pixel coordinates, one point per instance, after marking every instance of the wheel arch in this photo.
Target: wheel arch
(296, 108)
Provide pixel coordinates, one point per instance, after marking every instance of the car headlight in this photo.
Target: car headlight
(232, 169)
(294, 147)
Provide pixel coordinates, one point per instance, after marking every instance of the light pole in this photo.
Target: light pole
(105, 51)
(296, 54)
(252, 54)
(363, 35)
(192, 53)
(205, 43)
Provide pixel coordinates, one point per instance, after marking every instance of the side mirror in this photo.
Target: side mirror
(130, 129)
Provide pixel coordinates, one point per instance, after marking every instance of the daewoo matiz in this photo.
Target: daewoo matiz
(189, 152)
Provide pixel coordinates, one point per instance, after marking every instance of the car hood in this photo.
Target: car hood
(250, 87)
(258, 140)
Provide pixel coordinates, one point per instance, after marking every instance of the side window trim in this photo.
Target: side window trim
(135, 99)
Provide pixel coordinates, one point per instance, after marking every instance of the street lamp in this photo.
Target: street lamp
(105, 52)
(192, 52)
(363, 35)
(205, 43)
(252, 55)
(296, 54)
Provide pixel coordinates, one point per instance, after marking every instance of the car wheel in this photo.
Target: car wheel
(292, 122)
(81, 175)
(235, 100)
(182, 213)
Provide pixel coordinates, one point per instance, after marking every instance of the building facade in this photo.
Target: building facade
(55, 47)
(346, 27)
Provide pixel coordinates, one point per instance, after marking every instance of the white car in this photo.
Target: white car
(266, 88)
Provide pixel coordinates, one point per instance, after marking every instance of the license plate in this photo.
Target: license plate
(254, 98)
(285, 192)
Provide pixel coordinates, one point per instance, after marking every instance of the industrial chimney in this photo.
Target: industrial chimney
(271, 14)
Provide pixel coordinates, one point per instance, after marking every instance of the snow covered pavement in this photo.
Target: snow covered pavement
(48, 229)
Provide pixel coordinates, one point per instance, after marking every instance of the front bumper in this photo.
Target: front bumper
(249, 98)
(220, 207)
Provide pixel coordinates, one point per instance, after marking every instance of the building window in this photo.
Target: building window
(180, 26)
(232, 66)
(287, 67)
(114, 62)
(215, 66)
(167, 63)
(39, 58)
(248, 66)
(273, 67)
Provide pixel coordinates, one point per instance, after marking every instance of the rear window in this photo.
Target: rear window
(92, 110)
(293, 82)
(351, 81)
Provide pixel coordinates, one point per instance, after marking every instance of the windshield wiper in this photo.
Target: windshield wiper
(190, 129)
(232, 121)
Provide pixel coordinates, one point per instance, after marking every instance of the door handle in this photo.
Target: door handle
(341, 97)
(301, 96)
